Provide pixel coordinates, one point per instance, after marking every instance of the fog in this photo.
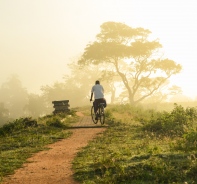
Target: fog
(39, 38)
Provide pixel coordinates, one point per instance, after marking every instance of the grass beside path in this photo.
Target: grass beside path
(142, 147)
(24, 136)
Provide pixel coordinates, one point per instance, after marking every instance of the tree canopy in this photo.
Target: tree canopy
(133, 56)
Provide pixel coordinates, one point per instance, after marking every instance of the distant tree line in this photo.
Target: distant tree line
(15, 101)
(126, 60)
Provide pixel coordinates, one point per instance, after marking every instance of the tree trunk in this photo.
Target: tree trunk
(131, 100)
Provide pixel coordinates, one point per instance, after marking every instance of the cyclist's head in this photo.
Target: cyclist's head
(97, 82)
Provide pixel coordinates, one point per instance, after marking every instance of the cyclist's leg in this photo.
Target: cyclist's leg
(98, 102)
(95, 103)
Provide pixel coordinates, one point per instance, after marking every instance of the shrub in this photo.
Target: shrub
(188, 142)
(174, 123)
(55, 122)
(17, 124)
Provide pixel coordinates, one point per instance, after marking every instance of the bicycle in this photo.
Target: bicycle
(100, 114)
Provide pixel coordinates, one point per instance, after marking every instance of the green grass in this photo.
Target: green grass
(133, 151)
(140, 146)
(21, 138)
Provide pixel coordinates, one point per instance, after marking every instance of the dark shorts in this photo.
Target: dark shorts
(97, 102)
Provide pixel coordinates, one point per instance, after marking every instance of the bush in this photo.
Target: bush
(188, 142)
(17, 124)
(55, 122)
(174, 123)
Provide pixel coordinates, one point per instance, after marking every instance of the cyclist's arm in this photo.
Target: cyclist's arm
(91, 96)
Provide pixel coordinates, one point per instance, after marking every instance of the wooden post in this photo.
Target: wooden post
(61, 106)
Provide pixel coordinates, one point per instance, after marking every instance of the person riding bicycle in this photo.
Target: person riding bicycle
(98, 92)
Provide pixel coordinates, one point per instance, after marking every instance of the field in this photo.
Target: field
(140, 145)
(25, 136)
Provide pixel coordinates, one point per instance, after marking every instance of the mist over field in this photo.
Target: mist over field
(43, 41)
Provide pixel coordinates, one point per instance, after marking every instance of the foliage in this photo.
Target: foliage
(174, 123)
(4, 114)
(126, 113)
(14, 96)
(75, 87)
(132, 56)
(127, 153)
(54, 122)
(17, 125)
(24, 136)
(36, 106)
(60, 119)
(187, 143)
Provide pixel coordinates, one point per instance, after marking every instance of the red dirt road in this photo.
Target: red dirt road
(54, 166)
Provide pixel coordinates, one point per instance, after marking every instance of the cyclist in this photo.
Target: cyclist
(98, 92)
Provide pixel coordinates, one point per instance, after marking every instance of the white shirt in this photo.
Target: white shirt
(98, 91)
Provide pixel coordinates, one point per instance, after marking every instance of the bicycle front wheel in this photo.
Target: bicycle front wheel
(93, 115)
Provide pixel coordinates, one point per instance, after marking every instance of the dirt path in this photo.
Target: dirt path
(54, 166)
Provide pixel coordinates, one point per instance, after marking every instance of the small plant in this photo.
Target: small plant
(55, 122)
(188, 142)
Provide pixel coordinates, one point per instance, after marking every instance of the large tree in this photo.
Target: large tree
(133, 56)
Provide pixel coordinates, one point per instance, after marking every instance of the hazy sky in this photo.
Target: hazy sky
(38, 38)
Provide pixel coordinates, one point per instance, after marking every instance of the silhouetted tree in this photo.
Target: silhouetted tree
(133, 56)
(4, 114)
(14, 96)
(36, 106)
(75, 88)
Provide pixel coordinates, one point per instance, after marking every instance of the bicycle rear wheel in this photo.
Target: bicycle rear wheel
(93, 115)
(102, 115)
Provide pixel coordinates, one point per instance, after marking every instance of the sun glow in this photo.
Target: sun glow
(42, 36)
